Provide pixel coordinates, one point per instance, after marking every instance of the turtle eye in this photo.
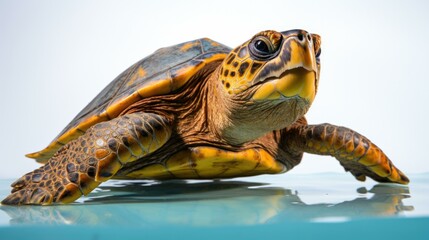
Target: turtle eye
(261, 47)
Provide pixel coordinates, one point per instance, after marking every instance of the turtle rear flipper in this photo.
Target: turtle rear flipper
(355, 152)
(82, 164)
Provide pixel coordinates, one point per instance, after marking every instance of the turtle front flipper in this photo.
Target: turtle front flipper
(355, 152)
(82, 164)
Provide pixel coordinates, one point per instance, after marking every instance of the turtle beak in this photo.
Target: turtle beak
(302, 53)
(294, 72)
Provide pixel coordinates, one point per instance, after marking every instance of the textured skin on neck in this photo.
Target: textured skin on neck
(238, 119)
(203, 115)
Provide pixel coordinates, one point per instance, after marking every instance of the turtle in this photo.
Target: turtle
(201, 110)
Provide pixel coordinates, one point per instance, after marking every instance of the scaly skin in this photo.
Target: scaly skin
(95, 157)
(355, 152)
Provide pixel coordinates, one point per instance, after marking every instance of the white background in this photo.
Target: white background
(55, 56)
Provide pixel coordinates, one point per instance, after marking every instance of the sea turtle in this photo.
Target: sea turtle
(200, 110)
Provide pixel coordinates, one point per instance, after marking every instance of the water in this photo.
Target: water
(263, 207)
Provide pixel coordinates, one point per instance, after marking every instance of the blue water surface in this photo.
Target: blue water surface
(332, 206)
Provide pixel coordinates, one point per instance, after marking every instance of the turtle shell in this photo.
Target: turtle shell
(163, 72)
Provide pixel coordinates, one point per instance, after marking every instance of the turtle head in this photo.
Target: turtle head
(274, 66)
(271, 79)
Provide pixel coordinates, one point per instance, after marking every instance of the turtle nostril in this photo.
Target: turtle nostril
(308, 37)
(300, 36)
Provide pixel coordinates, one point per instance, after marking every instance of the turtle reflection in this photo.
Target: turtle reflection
(207, 204)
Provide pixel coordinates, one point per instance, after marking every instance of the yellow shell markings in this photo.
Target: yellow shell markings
(213, 43)
(188, 46)
(160, 87)
(209, 162)
(140, 73)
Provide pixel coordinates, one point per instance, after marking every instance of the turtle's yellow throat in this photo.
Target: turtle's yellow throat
(237, 119)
